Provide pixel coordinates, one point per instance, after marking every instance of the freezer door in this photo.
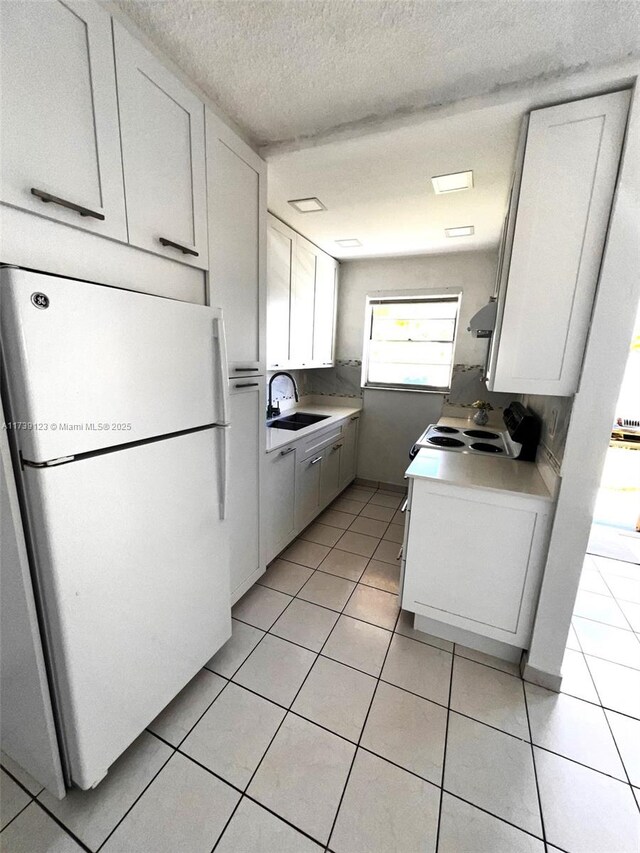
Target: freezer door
(90, 366)
(132, 566)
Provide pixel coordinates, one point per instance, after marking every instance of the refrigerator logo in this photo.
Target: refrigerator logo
(40, 300)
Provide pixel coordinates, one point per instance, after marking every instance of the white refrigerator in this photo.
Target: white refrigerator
(117, 415)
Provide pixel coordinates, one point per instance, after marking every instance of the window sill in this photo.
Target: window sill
(406, 389)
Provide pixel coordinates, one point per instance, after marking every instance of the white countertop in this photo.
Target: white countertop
(277, 438)
(479, 472)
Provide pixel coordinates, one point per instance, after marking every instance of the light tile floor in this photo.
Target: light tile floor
(327, 723)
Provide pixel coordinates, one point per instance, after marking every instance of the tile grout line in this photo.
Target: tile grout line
(420, 696)
(8, 824)
(364, 725)
(65, 829)
(365, 749)
(287, 711)
(175, 750)
(444, 753)
(137, 799)
(535, 769)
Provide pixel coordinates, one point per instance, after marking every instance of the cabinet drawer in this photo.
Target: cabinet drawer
(317, 443)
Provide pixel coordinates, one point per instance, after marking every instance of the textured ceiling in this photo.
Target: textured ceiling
(290, 69)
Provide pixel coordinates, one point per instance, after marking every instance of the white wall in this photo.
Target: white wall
(392, 420)
(472, 272)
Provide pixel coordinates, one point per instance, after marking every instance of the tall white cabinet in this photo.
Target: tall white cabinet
(236, 189)
(561, 213)
(302, 286)
(60, 141)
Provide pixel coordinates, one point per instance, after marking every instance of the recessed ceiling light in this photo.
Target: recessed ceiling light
(307, 205)
(462, 231)
(349, 243)
(452, 183)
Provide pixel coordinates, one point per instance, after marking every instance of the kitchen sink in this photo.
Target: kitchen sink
(296, 421)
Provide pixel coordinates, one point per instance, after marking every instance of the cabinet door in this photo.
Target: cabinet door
(308, 474)
(234, 199)
(279, 501)
(349, 452)
(60, 115)
(481, 580)
(303, 285)
(162, 127)
(280, 248)
(243, 500)
(324, 310)
(330, 473)
(568, 181)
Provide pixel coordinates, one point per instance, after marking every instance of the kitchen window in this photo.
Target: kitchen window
(409, 341)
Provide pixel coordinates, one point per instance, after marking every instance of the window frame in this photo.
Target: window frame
(417, 295)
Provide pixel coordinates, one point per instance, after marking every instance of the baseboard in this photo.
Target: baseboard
(537, 676)
(467, 638)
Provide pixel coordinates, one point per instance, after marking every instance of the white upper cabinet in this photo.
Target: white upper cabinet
(280, 250)
(162, 129)
(236, 179)
(60, 141)
(324, 310)
(568, 181)
(301, 300)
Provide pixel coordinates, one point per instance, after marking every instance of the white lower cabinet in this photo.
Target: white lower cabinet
(302, 478)
(243, 498)
(278, 515)
(474, 559)
(330, 471)
(349, 451)
(307, 489)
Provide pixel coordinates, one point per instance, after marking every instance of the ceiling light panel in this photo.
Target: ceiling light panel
(452, 183)
(307, 205)
(349, 243)
(461, 231)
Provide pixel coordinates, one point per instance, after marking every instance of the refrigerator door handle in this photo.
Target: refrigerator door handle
(223, 469)
(223, 368)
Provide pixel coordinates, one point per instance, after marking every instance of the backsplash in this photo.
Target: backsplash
(467, 387)
(344, 380)
(544, 407)
(282, 388)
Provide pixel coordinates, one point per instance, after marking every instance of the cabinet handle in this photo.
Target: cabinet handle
(287, 451)
(403, 508)
(354, 418)
(70, 205)
(336, 447)
(184, 249)
(245, 369)
(317, 459)
(247, 385)
(400, 552)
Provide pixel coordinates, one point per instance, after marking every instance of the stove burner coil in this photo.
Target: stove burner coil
(450, 430)
(481, 433)
(483, 447)
(443, 441)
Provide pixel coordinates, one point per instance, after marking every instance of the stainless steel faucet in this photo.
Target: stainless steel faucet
(273, 411)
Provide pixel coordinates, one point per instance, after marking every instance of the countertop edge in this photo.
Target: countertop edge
(336, 413)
